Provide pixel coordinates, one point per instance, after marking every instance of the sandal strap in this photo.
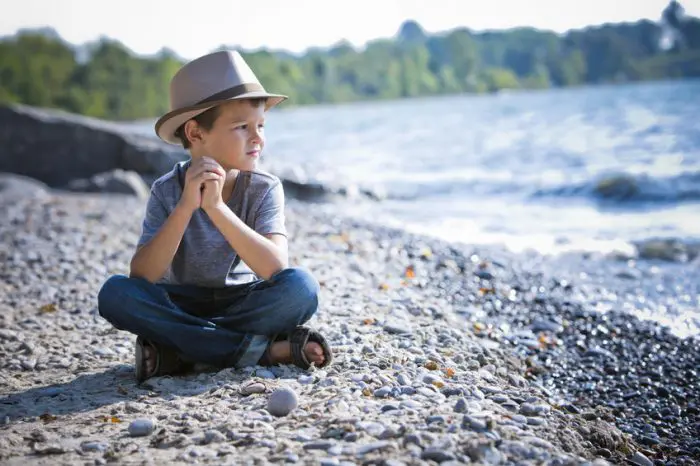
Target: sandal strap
(297, 341)
(327, 352)
(168, 361)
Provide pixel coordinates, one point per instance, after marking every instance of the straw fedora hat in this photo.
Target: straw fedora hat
(206, 82)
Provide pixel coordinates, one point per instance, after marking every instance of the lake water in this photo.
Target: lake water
(591, 168)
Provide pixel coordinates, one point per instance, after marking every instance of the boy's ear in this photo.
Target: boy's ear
(192, 131)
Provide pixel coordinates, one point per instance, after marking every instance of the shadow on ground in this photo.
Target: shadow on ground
(88, 392)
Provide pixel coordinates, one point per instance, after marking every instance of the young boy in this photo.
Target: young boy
(210, 281)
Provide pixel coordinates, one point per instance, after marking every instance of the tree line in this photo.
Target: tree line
(106, 80)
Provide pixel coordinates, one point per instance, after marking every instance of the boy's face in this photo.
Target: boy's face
(237, 138)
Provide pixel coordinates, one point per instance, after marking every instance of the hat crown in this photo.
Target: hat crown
(208, 75)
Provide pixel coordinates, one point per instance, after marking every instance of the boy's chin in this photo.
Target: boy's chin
(248, 166)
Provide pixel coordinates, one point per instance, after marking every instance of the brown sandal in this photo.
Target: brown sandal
(298, 339)
(168, 362)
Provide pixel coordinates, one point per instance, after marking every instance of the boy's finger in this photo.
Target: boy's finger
(213, 167)
(200, 170)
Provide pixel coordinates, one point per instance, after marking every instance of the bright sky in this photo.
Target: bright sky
(193, 28)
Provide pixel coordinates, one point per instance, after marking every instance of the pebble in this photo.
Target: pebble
(382, 392)
(318, 445)
(403, 379)
(411, 404)
(407, 390)
(141, 427)
(452, 391)
(391, 462)
(529, 409)
(436, 418)
(542, 325)
(460, 406)
(536, 421)
(436, 454)
(389, 407)
(398, 328)
(412, 439)
(93, 445)
(282, 402)
(432, 379)
(640, 460)
(472, 423)
(214, 436)
(251, 388)
(371, 447)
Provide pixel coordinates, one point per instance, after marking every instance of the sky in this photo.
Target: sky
(194, 28)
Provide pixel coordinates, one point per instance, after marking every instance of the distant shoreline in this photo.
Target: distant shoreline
(105, 79)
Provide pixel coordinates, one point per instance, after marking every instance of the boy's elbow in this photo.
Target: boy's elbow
(135, 274)
(276, 268)
(136, 271)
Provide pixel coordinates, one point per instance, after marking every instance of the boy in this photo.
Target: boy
(210, 281)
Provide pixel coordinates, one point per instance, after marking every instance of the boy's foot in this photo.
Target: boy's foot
(150, 358)
(280, 352)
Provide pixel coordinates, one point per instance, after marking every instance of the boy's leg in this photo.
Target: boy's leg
(270, 307)
(145, 309)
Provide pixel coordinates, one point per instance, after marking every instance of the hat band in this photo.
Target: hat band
(232, 92)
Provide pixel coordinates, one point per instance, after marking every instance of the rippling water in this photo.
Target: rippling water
(590, 168)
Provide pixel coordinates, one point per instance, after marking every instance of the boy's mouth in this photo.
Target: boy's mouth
(253, 153)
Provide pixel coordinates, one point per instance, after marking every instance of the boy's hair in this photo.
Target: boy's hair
(207, 119)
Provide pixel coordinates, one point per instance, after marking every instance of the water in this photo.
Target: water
(590, 168)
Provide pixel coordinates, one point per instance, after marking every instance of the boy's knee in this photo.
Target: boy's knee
(301, 289)
(112, 294)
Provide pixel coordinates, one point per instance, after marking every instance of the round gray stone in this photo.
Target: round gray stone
(282, 402)
(141, 427)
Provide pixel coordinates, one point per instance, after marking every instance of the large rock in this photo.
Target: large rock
(56, 147)
(79, 153)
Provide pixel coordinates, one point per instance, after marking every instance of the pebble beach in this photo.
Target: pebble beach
(443, 354)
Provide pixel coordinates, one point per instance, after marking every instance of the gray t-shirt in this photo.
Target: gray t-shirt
(204, 257)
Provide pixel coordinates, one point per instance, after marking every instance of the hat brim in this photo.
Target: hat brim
(171, 121)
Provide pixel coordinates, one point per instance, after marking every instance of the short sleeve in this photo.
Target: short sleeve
(269, 218)
(155, 217)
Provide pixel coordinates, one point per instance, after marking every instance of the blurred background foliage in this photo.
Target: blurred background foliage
(105, 79)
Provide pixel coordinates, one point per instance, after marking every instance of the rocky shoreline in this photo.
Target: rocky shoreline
(443, 354)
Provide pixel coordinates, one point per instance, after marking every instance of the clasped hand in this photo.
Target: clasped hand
(204, 182)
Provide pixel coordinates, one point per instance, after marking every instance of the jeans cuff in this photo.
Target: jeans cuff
(256, 349)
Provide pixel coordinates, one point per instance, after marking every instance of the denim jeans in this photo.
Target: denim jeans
(225, 327)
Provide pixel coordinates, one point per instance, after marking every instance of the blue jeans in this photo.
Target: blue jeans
(225, 327)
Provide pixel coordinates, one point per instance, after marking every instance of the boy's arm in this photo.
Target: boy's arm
(152, 260)
(265, 255)
(163, 232)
